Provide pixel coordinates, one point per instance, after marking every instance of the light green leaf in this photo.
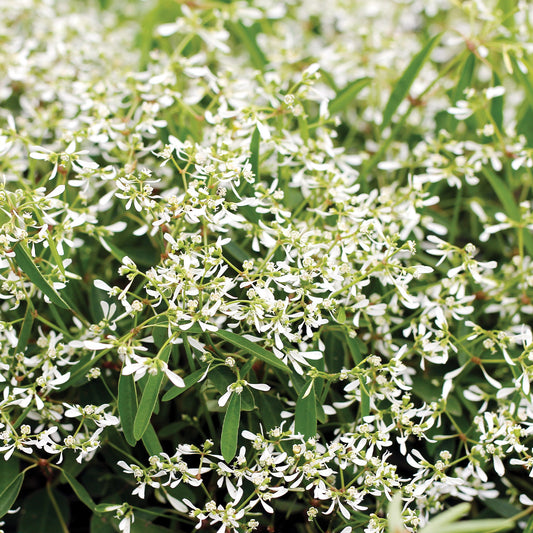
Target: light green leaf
(408, 77)
(127, 406)
(395, 520)
(491, 525)
(345, 96)
(341, 315)
(305, 413)
(9, 494)
(230, 428)
(26, 264)
(253, 349)
(246, 35)
(446, 517)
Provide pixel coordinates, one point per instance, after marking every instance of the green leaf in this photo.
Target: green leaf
(406, 80)
(269, 411)
(80, 491)
(365, 399)
(149, 397)
(254, 150)
(247, 37)
(253, 349)
(26, 264)
(395, 520)
(509, 205)
(25, 330)
(446, 517)
(38, 514)
(465, 79)
(529, 526)
(9, 494)
(101, 524)
(230, 428)
(305, 413)
(127, 406)
(476, 526)
(503, 193)
(502, 507)
(151, 441)
(354, 348)
(347, 94)
(496, 104)
(9, 470)
(189, 380)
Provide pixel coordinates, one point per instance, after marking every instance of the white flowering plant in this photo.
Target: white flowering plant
(266, 266)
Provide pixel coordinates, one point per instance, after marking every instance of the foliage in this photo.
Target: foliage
(266, 266)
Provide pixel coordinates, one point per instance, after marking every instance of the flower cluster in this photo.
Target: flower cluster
(250, 270)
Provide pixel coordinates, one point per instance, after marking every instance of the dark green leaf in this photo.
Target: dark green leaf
(269, 410)
(230, 428)
(9, 470)
(79, 490)
(189, 380)
(345, 96)
(26, 264)
(149, 397)
(101, 524)
(305, 414)
(253, 349)
(365, 399)
(9, 493)
(25, 330)
(529, 526)
(38, 514)
(127, 406)
(354, 348)
(502, 507)
(406, 80)
(254, 150)
(151, 441)
(496, 104)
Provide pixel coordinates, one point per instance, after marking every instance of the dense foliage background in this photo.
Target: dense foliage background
(266, 266)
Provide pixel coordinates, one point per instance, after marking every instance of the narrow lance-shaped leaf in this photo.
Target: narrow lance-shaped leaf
(79, 490)
(26, 264)
(230, 428)
(509, 205)
(9, 494)
(365, 399)
(189, 380)
(254, 149)
(127, 406)
(25, 330)
(305, 414)
(149, 397)
(496, 104)
(253, 349)
(345, 96)
(408, 77)
(151, 441)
